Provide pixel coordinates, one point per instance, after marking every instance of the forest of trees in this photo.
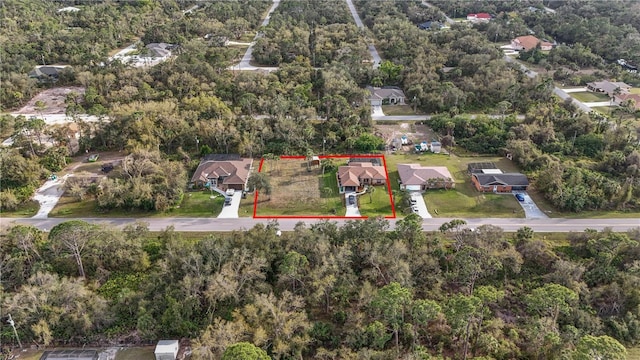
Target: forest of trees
(328, 292)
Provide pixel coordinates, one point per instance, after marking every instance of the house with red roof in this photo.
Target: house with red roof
(357, 175)
(479, 17)
(529, 42)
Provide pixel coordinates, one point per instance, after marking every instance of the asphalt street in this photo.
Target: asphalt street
(215, 224)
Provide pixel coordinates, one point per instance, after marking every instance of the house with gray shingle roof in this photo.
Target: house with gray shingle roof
(386, 95)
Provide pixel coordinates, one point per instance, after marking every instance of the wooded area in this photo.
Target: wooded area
(328, 292)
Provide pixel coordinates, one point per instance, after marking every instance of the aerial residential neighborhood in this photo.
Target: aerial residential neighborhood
(330, 179)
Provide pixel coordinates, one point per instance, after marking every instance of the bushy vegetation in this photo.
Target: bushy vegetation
(324, 291)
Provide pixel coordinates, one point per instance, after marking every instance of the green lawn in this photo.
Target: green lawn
(588, 96)
(464, 200)
(28, 209)
(194, 204)
(391, 110)
(376, 203)
(136, 354)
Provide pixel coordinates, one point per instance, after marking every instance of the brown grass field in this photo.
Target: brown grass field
(296, 190)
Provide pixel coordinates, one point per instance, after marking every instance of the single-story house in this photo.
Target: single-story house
(414, 177)
(386, 95)
(159, 50)
(223, 171)
(505, 182)
(47, 73)
(619, 99)
(357, 175)
(609, 87)
(431, 25)
(529, 42)
(71, 9)
(479, 17)
(167, 350)
(480, 167)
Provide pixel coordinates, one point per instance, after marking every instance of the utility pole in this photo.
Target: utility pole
(13, 325)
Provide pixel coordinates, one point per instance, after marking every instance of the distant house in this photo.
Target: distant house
(223, 171)
(621, 98)
(167, 350)
(69, 9)
(414, 177)
(159, 50)
(431, 25)
(505, 182)
(529, 42)
(357, 175)
(47, 73)
(386, 95)
(479, 17)
(608, 87)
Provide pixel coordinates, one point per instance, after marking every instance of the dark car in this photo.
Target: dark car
(352, 199)
(520, 197)
(107, 167)
(227, 201)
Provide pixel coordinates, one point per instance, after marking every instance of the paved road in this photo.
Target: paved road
(556, 90)
(447, 19)
(213, 224)
(245, 63)
(377, 117)
(372, 49)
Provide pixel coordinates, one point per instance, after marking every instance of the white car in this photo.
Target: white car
(230, 192)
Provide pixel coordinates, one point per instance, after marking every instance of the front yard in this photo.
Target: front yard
(375, 204)
(300, 191)
(194, 204)
(394, 110)
(464, 200)
(588, 96)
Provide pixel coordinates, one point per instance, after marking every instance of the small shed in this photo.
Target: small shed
(314, 160)
(167, 350)
(436, 147)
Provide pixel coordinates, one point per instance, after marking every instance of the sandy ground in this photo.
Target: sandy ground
(416, 133)
(53, 100)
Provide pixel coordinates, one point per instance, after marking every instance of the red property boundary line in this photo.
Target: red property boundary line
(386, 171)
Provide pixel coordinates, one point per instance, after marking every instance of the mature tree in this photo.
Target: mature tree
(244, 351)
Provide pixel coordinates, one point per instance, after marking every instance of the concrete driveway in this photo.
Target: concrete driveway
(376, 110)
(231, 211)
(531, 210)
(48, 195)
(420, 206)
(352, 210)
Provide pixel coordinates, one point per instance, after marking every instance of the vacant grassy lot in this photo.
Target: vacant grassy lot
(28, 209)
(136, 354)
(376, 203)
(589, 96)
(194, 204)
(391, 110)
(300, 191)
(464, 200)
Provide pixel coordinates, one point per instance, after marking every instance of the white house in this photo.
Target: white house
(387, 95)
(167, 350)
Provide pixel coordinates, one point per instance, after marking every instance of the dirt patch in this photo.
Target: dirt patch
(415, 133)
(53, 100)
(291, 181)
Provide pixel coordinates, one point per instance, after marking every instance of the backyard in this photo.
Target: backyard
(299, 190)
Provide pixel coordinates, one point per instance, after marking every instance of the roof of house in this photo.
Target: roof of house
(529, 42)
(428, 24)
(234, 171)
(608, 86)
(47, 70)
(69, 9)
(379, 93)
(373, 160)
(480, 16)
(513, 179)
(160, 49)
(351, 174)
(625, 97)
(416, 174)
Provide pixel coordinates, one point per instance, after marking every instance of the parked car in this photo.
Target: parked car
(107, 167)
(415, 209)
(227, 201)
(93, 158)
(230, 192)
(520, 197)
(413, 201)
(352, 199)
